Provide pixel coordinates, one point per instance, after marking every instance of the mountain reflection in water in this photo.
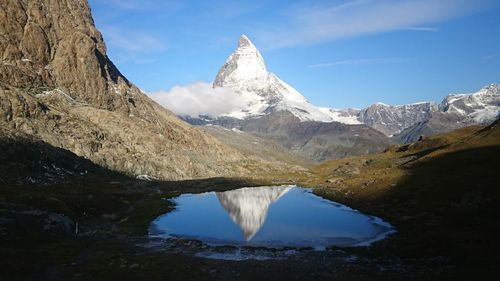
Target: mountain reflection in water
(268, 216)
(248, 207)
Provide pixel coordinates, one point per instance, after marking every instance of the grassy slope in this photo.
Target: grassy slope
(442, 193)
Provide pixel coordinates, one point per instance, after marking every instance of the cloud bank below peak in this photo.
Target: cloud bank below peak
(198, 99)
(309, 25)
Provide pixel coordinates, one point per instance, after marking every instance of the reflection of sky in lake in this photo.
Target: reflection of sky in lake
(268, 216)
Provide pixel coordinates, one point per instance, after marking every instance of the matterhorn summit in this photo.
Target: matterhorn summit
(245, 64)
(263, 92)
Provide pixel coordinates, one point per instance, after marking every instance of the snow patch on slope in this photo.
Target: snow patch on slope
(480, 107)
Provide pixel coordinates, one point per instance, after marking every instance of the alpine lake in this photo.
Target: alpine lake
(265, 222)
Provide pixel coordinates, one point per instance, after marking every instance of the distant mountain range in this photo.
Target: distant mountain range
(426, 118)
(268, 99)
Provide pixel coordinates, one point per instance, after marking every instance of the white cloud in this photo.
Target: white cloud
(198, 98)
(317, 24)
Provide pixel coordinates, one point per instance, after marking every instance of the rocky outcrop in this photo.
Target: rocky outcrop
(55, 44)
(437, 123)
(57, 84)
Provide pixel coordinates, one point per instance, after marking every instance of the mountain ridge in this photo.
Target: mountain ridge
(457, 111)
(263, 93)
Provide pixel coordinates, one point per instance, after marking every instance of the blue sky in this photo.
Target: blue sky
(336, 53)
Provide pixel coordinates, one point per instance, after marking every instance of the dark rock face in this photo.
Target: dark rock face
(58, 85)
(55, 44)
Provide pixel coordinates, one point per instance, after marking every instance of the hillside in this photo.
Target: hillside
(253, 145)
(445, 188)
(58, 86)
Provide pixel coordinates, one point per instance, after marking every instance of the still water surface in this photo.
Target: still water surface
(268, 216)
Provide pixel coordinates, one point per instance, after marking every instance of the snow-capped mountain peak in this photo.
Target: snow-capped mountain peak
(245, 42)
(263, 92)
(244, 64)
(482, 106)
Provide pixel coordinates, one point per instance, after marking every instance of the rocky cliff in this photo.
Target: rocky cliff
(58, 85)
